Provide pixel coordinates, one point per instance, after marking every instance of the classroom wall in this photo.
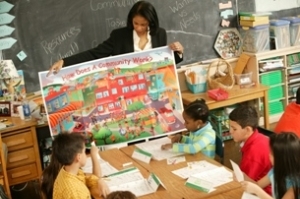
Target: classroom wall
(275, 5)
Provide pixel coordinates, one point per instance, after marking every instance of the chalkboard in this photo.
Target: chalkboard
(47, 30)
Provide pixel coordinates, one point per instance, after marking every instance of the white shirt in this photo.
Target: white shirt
(136, 40)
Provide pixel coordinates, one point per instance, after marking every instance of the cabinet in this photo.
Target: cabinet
(23, 158)
(283, 81)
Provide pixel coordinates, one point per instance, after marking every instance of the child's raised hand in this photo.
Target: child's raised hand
(103, 187)
(94, 151)
(166, 146)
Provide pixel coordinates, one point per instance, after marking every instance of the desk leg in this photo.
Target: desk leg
(266, 110)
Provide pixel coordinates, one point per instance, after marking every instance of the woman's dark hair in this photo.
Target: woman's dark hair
(121, 195)
(285, 147)
(146, 10)
(298, 96)
(48, 177)
(198, 110)
(245, 116)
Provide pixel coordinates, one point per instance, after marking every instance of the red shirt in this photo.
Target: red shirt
(255, 157)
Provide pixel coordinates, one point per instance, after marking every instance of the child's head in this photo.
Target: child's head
(243, 120)
(195, 115)
(121, 195)
(285, 153)
(69, 148)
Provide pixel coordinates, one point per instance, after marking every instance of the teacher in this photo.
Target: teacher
(141, 33)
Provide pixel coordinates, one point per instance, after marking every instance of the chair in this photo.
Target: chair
(220, 149)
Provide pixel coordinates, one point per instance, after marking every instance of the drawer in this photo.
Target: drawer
(18, 141)
(19, 158)
(22, 174)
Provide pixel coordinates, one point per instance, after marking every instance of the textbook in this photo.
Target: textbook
(254, 18)
(255, 14)
(253, 23)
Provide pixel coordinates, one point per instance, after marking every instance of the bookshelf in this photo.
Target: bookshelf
(283, 81)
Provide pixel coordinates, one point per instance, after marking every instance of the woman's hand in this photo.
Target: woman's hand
(103, 187)
(55, 68)
(176, 46)
(166, 146)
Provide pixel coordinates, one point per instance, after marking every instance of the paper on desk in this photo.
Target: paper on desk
(175, 160)
(249, 196)
(217, 176)
(106, 168)
(131, 180)
(154, 147)
(194, 168)
(237, 171)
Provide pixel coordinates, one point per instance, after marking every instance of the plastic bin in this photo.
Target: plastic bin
(275, 107)
(281, 31)
(243, 79)
(294, 30)
(220, 122)
(255, 39)
(271, 78)
(196, 88)
(275, 92)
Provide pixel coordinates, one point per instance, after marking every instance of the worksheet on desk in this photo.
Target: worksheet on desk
(130, 180)
(154, 147)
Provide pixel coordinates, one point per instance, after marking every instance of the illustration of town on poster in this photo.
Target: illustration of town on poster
(116, 99)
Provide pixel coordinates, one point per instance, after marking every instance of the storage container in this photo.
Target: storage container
(220, 122)
(294, 30)
(197, 88)
(271, 78)
(280, 30)
(243, 79)
(255, 39)
(275, 92)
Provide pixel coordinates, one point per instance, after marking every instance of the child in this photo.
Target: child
(255, 161)
(69, 149)
(202, 136)
(121, 195)
(285, 174)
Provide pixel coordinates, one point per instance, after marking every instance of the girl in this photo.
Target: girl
(141, 33)
(285, 174)
(202, 136)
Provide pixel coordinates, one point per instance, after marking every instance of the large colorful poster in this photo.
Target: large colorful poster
(116, 99)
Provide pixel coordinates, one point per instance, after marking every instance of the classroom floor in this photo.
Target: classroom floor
(30, 190)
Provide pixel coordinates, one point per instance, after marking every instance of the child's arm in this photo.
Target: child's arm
(95, 162)
(255, 189)
(289, 194)
(194, 145)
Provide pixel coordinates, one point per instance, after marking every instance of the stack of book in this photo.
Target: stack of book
(252, 19)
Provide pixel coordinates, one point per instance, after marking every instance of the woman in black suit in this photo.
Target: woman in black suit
(141, 33)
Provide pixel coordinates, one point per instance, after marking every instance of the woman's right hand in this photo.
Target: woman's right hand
(55, 68)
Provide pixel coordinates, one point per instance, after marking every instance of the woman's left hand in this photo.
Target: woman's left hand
(176, 46)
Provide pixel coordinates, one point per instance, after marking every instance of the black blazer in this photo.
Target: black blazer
(119, 42)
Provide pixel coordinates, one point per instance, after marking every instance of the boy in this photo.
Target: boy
(70, 183)
(255, 161)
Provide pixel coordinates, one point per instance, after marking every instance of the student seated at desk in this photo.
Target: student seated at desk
(285, 174)
(121, 195)
(70, 181)
(202, 136)
(255, 161)
(289, 121)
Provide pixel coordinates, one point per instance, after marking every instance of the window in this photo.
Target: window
(114, 91)
(105, 94)
(133, 87)
(111, 105)
(49, 107)
(100, 108)
(118, 104)
(99, 95)
(142, 86)
(56, 103)
(129, 101)
(125, 89)
(120, 82)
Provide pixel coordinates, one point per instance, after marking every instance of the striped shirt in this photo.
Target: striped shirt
(69, 186)
(203, 140)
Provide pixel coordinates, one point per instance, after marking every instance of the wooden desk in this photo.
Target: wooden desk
(236, 95)
(174, 184)
(23, 159)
